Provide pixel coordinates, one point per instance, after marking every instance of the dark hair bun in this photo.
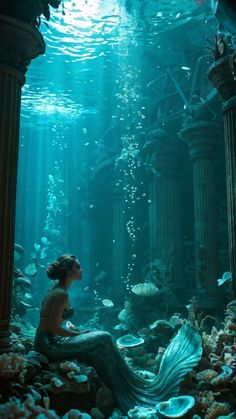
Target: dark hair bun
(54, 270)
(59, 268)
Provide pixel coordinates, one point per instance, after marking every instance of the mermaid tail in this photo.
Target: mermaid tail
(98, 350)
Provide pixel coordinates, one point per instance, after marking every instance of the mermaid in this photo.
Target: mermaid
(97, 348)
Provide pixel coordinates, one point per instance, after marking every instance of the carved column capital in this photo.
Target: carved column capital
(222, 74)
(19, 43)
(160, 153)
(202, 137)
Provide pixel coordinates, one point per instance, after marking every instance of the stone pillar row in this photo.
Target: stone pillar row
(19, 44)
(165, 218)
(201, 137)
(223, 76)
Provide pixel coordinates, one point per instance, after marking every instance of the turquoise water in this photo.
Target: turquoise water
(87, 106)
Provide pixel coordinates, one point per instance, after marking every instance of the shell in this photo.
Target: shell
(145, 289)
(129, 341)
(176, 407)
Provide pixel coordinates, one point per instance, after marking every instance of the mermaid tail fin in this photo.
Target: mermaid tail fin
(181, 356)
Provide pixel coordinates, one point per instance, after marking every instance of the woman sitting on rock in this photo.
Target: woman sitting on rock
(97, 348)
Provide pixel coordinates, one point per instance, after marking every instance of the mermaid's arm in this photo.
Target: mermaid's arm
(54, 325)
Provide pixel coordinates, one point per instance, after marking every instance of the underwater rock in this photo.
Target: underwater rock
(176, 407)
(129, 341)
(145, 289)
(96, 413)
(141, 412)
(224, 377)
(116, 414)
(105, 401)
(76, 414)
(162, 326)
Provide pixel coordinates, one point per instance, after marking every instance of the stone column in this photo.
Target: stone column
(87, 238)
(223, 76)
(119, 245)
(19, 44)
(165, 216)
(201, 137)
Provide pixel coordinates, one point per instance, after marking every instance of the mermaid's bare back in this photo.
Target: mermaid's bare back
(98, 350)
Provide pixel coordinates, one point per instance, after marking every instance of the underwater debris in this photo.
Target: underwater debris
(176, 407)
(145, 289)
(129, 341)
(105, 401)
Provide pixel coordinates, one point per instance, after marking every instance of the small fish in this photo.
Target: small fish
(188, 306)
(226, 277)
(107, 303)
(87, 288)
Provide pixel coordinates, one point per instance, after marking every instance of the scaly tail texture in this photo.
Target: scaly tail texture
(129, 389)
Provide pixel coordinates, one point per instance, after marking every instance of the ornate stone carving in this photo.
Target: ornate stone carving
(222, 74)
(19, 44)
(160, 153)
(201, 137)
